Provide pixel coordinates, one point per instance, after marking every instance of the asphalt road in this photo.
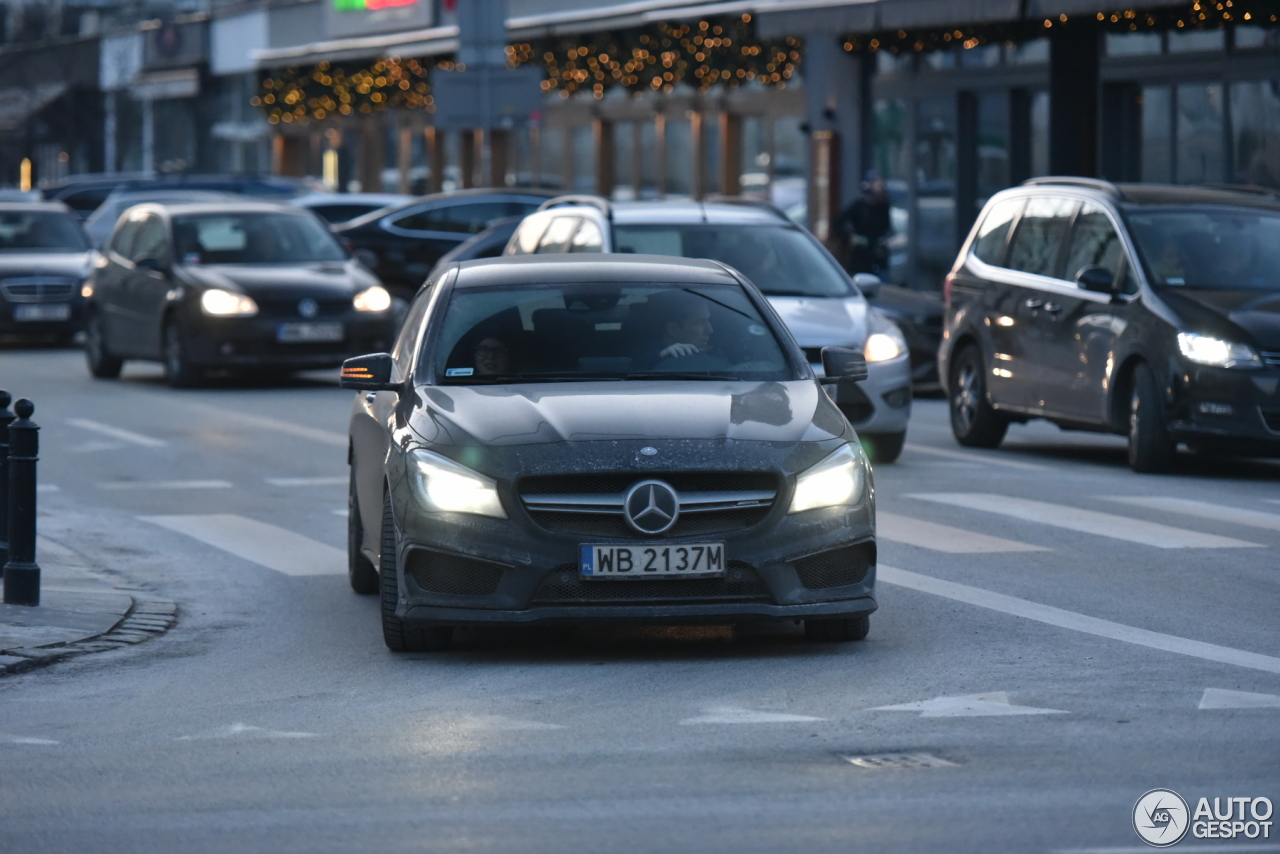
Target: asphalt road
(1057, 634)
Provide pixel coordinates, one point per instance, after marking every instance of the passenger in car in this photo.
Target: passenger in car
(493, 359)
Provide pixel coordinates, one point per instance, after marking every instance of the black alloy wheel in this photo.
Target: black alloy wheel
(974, 422)
(883, 447)
(178, 369)
(360, 570)
(399, 635)
(838, 630)
(1151, 449)
(102, 364)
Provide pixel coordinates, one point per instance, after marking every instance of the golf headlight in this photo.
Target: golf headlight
(441, 484)
(1204, 350)
(220, 303)
(375, 298)
(885, 341)
(839, 479)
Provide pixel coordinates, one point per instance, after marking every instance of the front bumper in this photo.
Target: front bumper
(1226, 408)
(11, 325)
(241, 342)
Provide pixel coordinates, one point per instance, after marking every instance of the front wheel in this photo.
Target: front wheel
(974, 422)
(399, 635)
(884, 447)
(1151, 450)
(102, 364)
(837, 630)
(178, 369)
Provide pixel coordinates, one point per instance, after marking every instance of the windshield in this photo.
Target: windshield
(40, 231)
(1222, 248)
(605, 332)
(253, 238)
(780, 260)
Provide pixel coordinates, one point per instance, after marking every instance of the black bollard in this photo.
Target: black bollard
(21, 573)
(5, 417)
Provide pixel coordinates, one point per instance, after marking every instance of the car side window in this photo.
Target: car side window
(122, 241)
(470, 218)
(527, 234)
(150, 240)
(994, 231)
(558, 234)
(1037, 241)
(588, 238)
(407, 341)
(1094, 242)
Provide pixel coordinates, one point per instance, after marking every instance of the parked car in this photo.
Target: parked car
(338, 208)
(1146, 310)
(805, 285)
(45, 259)
(489, 243)
(403, 244)
(245, 286)
(604, 439)
(85, 193)
(102, 222)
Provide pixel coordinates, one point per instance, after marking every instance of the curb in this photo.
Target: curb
(148, 618)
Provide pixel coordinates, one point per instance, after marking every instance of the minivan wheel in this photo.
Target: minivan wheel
(101, 363)
(973, 421)
(837, 630)
(399, 635)
(178, 369)
(884, 447)
(1151, 450)
(360, 570)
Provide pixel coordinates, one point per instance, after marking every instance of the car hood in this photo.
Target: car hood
(1250, 314)
(824, 321)
(327, 279)
(532, 414)
(75, 264)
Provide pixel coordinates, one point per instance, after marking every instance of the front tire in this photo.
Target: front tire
(360, 570)
(399, 635)
(838, 630)
(102, 364)
(974, 422)
(884, 447)
(1151, 449)
(178, 369)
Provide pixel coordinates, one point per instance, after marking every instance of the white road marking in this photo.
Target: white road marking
(499, 722)
(991, 704)
(1221, 698)
(1085, 521)
(974, 458)
(166, 484)
(736, 715)
(272, 547)
(94, 447)
(1076, 622)
(117, 433)
(308, 481)
(47, 487)
(239, 729)
(1203, 510)
(943, 538)
(274, 425)
(26, 739)
(343, 512)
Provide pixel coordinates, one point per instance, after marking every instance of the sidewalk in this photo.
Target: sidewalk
(81, 611)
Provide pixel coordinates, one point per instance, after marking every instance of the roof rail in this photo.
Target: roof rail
(720, 199)
(598, 202)
(1074, 181)
(1251, 189)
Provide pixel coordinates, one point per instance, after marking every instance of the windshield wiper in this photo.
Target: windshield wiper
(548, 377)
(676, 375)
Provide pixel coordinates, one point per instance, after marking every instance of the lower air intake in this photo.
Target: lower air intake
(837, 568)
(438, 572)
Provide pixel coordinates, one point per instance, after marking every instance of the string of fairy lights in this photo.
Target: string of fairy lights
(718, 52)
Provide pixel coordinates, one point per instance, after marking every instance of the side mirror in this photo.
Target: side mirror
(842, 363)
(868, 283)
(151, 265)
(1096, 279)
(369, 373)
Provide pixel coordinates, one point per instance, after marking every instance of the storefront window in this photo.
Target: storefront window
(1157, 147)
(1255, 120)
(936, 203)
(1134, 44)
(940, 59)
(1250, 37)
(982, 56)
(584, 160)
(1032, 52)
(754, 180)
(623, 158)
(993, 144)
(711, 151)
(648, 160)
(1200, 155)
(679, 158)
(551, 156)
(789, 190)
(1195, 41)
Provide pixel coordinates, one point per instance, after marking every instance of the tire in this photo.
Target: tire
(884, 447)
(360, 570)
(1151, 450)
(178, 369)
(399, 635)
(973, 422)
(837, 630)
(102, 364)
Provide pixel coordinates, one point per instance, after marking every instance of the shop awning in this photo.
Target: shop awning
(20, 103)
(433, 41)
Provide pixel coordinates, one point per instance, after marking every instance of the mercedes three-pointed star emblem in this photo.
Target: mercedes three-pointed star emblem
(651, 507)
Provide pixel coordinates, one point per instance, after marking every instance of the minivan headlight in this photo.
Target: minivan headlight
(1205, 350)
(220, 303)
(441, 484)
(840, 478)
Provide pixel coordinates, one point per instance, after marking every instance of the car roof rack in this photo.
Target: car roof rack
(1074, 181)
(761, 204)
(599, 203)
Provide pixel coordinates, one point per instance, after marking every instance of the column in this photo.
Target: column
(602, 136)
(730, 154)
(470, 140)
(148, 135)
(434, 141)
(698, 134)
(109, 121)
(1074, 50)
(838, 99)
(966, 164)
(660, 151)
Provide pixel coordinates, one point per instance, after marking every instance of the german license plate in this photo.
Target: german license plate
(687, 560)
(47, 312)
(303, 332)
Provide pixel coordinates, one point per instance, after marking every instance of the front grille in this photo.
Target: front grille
(1271, 358)
(619, 482)
(739, 583)
(438, 572)
(837, 568)
(1271, 417)
(613, 526)
(38, 288)
(288, 307)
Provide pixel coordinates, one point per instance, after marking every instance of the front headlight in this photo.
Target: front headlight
(1204, 350)
(375, 298)
(220, 303)
(441, 484)
(839, 479)
(885, 342)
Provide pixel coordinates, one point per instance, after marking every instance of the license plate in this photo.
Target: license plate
(295, 332)
(687, 560)
(53, 311)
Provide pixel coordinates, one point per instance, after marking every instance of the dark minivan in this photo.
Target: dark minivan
(1146, 310)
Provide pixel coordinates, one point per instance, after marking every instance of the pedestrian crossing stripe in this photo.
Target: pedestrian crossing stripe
(943, 538)
(1204, 510)
(263, 544)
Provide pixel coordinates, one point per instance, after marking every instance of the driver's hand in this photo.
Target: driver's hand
(678, 350)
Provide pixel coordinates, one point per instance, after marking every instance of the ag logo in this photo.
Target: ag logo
(1160, 817)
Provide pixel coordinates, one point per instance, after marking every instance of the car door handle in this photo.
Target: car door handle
(1052, 307)
(1033, 304)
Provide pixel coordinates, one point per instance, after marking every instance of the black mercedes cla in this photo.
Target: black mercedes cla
(605, 438)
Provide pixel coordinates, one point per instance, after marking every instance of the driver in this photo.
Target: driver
(686, 324)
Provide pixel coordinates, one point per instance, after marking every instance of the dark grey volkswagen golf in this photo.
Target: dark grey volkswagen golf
(605, 438)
